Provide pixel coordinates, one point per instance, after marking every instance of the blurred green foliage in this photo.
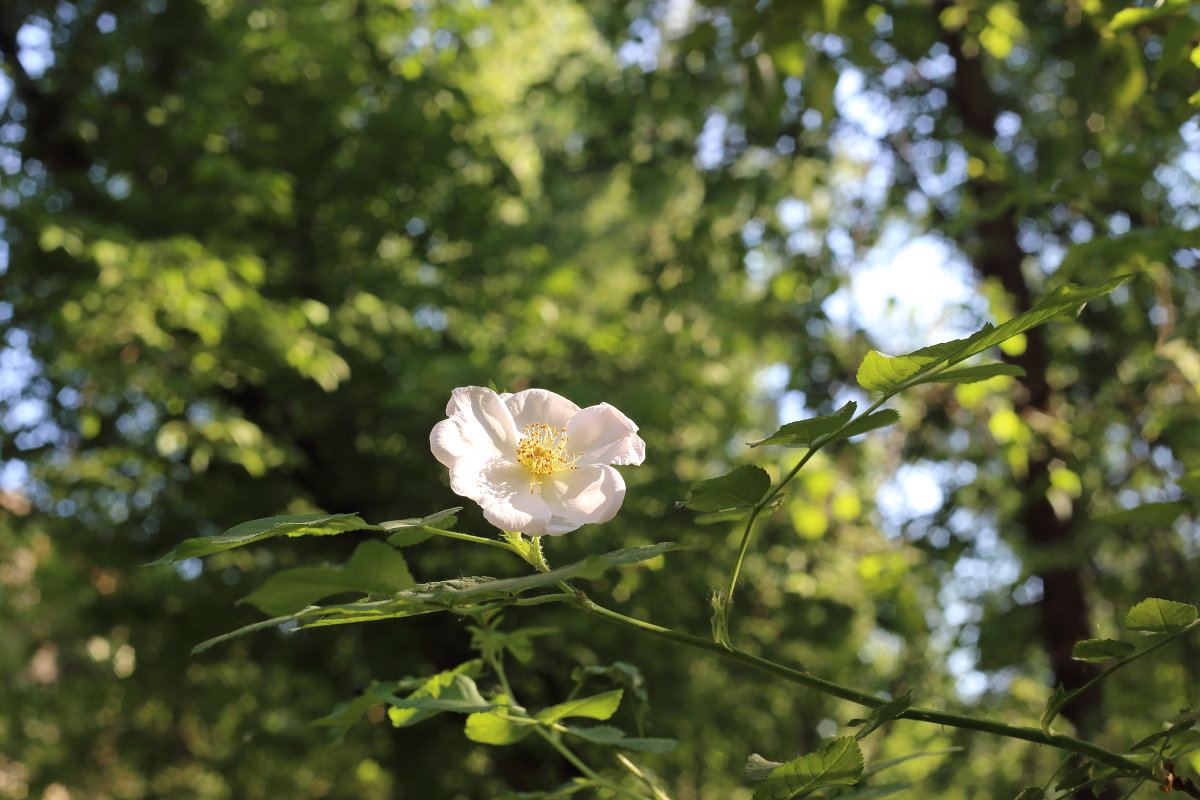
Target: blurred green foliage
(250, 248)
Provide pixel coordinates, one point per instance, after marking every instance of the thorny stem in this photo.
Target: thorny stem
(1035, 735)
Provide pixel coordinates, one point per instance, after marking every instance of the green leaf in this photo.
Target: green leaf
(454, 684)
(498, 727)
(375, 568)
(258, 529)
(1155, 615)
(1132, 17)
(1057, 700)
(981, 372)
(868, 422)
(1190, 482)
(1153, 514)
(1185, 720)
(873, 791)
(885, 713)
(242, 631)
(458, 693)
(759, 768)
(598, 706)
(1176, 45)
(743, 487)
(805, 432)
(416, 530)
(1064, 302)
(615, 737)
(839, 761)
(1100, 650)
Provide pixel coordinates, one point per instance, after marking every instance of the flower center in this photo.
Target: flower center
(543, 451)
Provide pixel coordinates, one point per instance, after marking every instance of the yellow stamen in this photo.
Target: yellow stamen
(543, 451)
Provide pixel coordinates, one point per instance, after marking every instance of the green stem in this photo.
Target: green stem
(637, 773)
(1060, 741)
(466, 537)
(565, 752)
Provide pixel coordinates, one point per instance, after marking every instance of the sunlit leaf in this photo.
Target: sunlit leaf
(1154, 615)
(599, 706)
(256, 530)
(868, 422)
(839, 761)
(454, 684)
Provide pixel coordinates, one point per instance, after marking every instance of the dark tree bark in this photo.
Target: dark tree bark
(992, 243)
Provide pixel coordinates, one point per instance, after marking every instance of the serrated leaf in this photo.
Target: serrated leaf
(805, 432)
(449, 594)
(759, 768)
(453, 684)
(258, 529)
(615, 737)
(740, 488)
(1154, 514)
(868, 422)
(463, 687)
(598, 706)
(1064, 302)
(1100, 650)
(839, 761)
(1155, 615)
(981, 372)
(374, 568)
(884, 713)
(416, 530)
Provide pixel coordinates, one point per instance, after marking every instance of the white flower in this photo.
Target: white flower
(534, 461)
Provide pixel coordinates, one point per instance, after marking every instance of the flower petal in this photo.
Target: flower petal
(511, 503)
(478, 426)
(581, 496)
(605, 436)
(534, 406)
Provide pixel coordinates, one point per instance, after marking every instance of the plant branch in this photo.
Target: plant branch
(1060, 741)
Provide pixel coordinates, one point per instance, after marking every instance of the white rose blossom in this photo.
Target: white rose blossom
(534, 461)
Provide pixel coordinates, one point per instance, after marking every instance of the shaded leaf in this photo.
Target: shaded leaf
(1053, 706)
(759, 768)
(258, 529)
(743, 487)
(1155, 514)
(868, 422)
(805, 432)
(1155, 615)
(1100, 650)
(414, 531)
(1190, 482)
(1064, 302)
(982, 372)
(839, 761)
(374, 568)
(886, 712)
(615, 737)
